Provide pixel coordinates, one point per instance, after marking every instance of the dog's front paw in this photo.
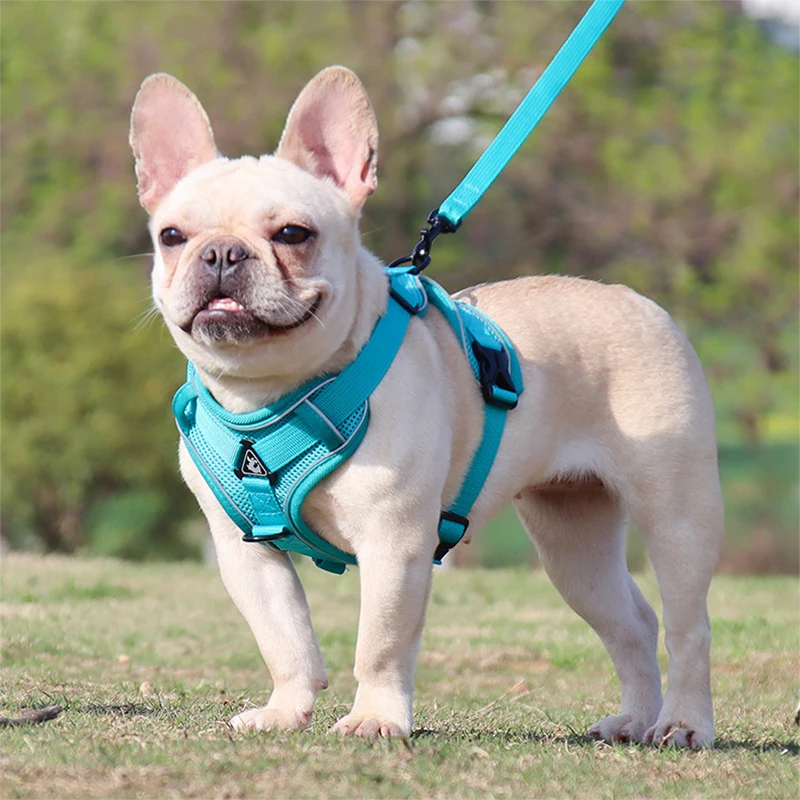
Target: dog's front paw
(267, 719)
(680, 734)
(619, 729)
(370, 727)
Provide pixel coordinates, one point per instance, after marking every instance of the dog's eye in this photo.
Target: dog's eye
(292, 234)
(172, 237)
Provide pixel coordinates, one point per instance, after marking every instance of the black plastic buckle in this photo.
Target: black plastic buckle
(443, 548)
(420, 256)
(493, 367)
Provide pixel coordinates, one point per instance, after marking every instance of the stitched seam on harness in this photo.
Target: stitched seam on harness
(256, 426)
(490, 323)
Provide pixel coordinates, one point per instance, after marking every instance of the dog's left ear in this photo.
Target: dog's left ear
(331, 132)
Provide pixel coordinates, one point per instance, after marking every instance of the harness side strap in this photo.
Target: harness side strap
(482, 342)
(359, 379)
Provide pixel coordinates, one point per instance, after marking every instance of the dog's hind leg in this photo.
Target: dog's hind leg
(682, 525)
(579, 532)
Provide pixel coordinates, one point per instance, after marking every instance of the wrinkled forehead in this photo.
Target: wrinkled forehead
(226, 193)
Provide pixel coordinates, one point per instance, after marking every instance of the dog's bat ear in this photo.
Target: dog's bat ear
(170, 136)
(331, 132)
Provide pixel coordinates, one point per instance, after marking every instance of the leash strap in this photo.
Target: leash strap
(522, 122)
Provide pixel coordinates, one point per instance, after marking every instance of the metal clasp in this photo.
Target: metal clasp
(420, 256)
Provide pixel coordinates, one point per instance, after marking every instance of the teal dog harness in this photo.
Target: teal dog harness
(262, 465)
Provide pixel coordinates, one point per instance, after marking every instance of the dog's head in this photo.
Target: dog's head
(255, 258)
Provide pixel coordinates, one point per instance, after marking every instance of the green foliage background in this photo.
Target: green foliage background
(670, 163)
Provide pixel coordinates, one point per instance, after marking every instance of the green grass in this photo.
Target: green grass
(150, 660)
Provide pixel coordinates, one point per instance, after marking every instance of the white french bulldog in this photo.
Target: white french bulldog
(262, 280)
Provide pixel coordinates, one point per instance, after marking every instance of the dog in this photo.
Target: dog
(262, 280)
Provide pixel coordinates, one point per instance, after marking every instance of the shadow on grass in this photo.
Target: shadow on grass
(583, 740)
(505, 735)
(731, 745)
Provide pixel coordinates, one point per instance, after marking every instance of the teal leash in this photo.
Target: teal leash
(452, 212)
(527, 116)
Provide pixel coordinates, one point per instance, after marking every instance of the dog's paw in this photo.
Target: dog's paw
(369, 727)
(267, 719)
(619, 729)
(679, 734)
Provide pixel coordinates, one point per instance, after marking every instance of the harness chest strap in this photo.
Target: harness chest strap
(262, 465)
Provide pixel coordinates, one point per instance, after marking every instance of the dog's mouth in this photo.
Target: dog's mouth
(224, 319)
(225, 305)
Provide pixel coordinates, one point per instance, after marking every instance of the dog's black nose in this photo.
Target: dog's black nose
(223, 256)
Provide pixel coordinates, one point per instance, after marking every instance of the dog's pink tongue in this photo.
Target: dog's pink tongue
(224, 304)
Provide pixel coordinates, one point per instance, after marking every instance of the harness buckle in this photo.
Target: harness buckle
(497, 387)
(452, 528)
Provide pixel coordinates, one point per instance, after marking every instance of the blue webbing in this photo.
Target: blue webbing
(522, 122)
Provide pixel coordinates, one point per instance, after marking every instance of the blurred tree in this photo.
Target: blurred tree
(87, 428)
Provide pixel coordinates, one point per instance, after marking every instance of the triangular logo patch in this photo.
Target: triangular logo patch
(249, 464)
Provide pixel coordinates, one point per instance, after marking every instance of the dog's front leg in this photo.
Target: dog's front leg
(394, 593)
(265, 588)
